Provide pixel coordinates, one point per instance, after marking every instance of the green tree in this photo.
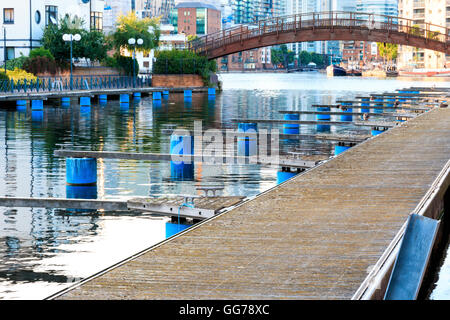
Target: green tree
(305, 57)
(282, 55)
(317, 59)
(388, 51)
(129, 26)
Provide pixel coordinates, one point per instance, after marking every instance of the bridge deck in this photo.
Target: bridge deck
(314, 237)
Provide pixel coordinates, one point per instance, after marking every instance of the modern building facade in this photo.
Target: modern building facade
(112, 10)
(420, 11)
(23, 21)
(196, 18)
(155, 8)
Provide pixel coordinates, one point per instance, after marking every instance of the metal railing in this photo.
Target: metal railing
(317, 20)
(48, 84)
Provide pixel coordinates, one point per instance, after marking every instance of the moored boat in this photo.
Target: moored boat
(334, 70)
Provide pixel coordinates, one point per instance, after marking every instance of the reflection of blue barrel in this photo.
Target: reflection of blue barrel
(347, 118)
(81, 192)
(85, 101)
(379, 105)
(156, 95)
(21, 105)
(37, 115)
(365, 105)
(291, 128)
(81, 171)
(282, 176)
(323, 117)
(174, 228)
(338, 149)
(247, 146)
(181, 145)
(157, 103)
(37, 104)
(85, 110)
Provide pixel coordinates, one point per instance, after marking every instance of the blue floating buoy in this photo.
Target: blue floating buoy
(291, 128)
(124, 98)
(156, 95)
(365, 105)
(181, 145)
(21, 105)
(37, 104)
(375, 132)
(174, 228)
(85, 101)
(81, 171)
(282, 176)
(247, 146)
(339, 149)
(323, 117)
(188, 93)
(347, 118)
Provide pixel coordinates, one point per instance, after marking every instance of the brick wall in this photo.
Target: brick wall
(177, 81)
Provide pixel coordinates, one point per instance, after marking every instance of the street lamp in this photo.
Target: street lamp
(133, 42)
(71, 38)
(5, 54)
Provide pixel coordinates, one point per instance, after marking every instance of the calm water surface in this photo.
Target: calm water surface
(43, 251)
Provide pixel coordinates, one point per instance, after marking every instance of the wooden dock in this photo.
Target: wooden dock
(316, 236)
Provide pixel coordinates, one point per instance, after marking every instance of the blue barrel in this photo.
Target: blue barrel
(247, 146)
(85, 101)
(103, 97)
(137, 95)
(339, 149)
(37, 104)
(282, 176)
(291, 128)
(211, 91)
(323, 117)
(179, 145)
(375, 132)
(166, 93)
(378, 110)
(81, 171)
(347, 118)
(187, 93)
(124, 98)
(81, 192)
(156, 95)
(65, 99)
(21, 105)
(365, 105)
(390, 99)
(174, 228)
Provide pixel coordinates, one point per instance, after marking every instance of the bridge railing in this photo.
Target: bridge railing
(331, 19)
(47, 84)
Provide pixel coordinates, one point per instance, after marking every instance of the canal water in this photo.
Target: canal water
(43, 251)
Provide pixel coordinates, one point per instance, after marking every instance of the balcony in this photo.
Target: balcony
(421, 4)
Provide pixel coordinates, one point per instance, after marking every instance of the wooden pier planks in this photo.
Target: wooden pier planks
(314, 237)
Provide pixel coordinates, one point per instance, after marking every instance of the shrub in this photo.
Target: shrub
(19, 76)
(122, 63)
(16, 63)
(41, 52)
(4, 76)
(41, 64)
(183, 62)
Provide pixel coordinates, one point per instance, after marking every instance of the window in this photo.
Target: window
(10, 53)
(201, 21)
(37, 17)
(97, 21)
(51, 15)
(8, 16)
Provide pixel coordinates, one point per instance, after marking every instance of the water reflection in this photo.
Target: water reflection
(43, 250)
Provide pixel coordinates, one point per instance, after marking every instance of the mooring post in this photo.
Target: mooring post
(291, 128)
(81, 171)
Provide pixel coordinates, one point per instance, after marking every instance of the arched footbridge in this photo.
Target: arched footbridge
(323, 26)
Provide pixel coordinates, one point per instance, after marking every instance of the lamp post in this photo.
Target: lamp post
(71, 38)
(133, 42)
(5, 54)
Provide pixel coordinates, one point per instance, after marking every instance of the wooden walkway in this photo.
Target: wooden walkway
(315, 236)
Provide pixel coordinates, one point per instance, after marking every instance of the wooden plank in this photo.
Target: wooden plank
(110, 205)
(346, 113)
(315, 122)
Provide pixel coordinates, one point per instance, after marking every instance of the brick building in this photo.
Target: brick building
(196, 18)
